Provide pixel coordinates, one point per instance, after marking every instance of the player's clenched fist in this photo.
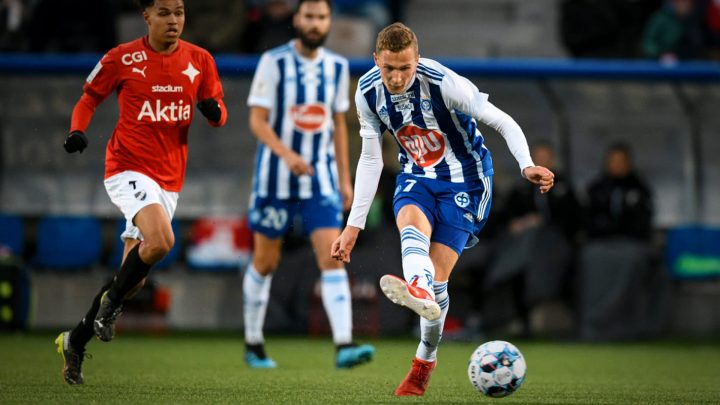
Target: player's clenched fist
(76, 141)
(541, 176)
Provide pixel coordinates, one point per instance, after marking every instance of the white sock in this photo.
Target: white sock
(431, 331)
(256, 293)
(335, 291)
(416, 258)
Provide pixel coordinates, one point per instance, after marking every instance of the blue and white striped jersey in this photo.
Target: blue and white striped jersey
(434, 122)
(302, 95)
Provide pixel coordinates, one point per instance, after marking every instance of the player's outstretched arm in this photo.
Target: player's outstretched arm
(367, 178)
(76, 141)
(342, 156)
(541, 176)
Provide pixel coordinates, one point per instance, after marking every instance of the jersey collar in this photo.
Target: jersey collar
(316, 59)
(146, 44)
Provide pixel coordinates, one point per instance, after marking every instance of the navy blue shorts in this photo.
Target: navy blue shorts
(273, 217)
(457, 211)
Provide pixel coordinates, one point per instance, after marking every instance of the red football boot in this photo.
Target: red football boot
(400, 292)
(417, 379)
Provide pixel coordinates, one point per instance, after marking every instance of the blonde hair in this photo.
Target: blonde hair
(396, 37)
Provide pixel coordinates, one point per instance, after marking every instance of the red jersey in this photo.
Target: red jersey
(157, 94)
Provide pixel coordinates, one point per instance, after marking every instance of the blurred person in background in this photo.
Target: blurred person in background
(711, 26)
(298, 101)
(633, 15)
(620, 285)
(674, 32)
(539, 226)
(619, 200)
(158, 80)
(527, 206)
(443, 193)
(13, 16)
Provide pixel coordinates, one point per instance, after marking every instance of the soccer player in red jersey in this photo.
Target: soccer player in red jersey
(158, 79)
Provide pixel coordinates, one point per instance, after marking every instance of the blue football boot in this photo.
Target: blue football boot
(255, 357)
(353, 355)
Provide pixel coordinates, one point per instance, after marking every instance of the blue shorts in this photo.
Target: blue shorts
(273, 217)
(457, 211)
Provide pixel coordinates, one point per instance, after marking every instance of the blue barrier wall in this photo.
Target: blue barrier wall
(531, 69)
(666, 112)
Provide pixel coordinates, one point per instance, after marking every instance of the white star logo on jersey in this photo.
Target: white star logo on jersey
(191, 72)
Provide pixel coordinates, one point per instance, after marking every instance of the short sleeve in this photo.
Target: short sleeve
(263, 88)
(462, 95)
(211, 87)
(103, 79)
(370, 124)
(342, 97)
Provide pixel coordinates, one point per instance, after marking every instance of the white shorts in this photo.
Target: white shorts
(132, 191)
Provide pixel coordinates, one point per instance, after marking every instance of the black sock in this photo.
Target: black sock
(133, 270)
(83, 332)
(342, 346)
(258, 349)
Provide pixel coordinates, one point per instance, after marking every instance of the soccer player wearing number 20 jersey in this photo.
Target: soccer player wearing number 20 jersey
(298, 101)
(443, 192)
(159, 79)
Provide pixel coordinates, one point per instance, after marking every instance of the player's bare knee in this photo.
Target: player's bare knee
(154, 250)
(266, 264)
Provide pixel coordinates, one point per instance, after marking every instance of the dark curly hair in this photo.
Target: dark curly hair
(143, 4)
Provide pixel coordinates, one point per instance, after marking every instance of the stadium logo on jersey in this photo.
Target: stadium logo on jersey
(425, 146)
(135, 57)
(167, 89)
(168, 113)
(425, 104)
(309, 117)
(462, 199)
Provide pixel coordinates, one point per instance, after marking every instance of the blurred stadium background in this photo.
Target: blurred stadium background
(572, 73)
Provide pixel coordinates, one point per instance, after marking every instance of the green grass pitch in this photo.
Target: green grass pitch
(187, 368)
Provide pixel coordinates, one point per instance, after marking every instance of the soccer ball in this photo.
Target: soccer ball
(497, 368)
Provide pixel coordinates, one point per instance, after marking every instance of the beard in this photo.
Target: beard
(314, 42)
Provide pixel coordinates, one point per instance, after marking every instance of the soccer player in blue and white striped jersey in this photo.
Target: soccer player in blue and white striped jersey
(444, 189)
(298, 101)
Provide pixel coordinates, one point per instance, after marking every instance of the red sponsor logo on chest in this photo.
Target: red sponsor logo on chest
(309, 117)
(425, 146)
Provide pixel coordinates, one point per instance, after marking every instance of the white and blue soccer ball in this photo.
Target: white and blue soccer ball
(497, 368)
